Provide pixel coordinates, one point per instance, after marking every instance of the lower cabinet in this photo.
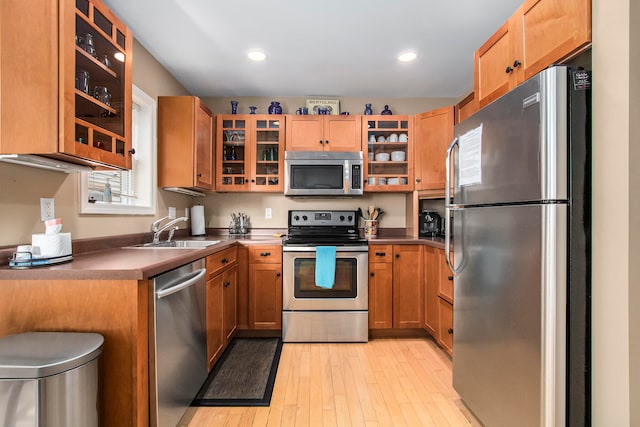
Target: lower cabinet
(445, 328)
(265, 287)
(438, 298)
(395, 286)
(222, 301)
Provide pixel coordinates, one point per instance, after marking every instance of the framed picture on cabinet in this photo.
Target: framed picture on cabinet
(323, 106)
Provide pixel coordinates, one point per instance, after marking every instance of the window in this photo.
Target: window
(127, 192)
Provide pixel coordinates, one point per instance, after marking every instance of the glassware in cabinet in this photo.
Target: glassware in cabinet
(232, 152)
(102, 90)
(389, 144)
(268, 133)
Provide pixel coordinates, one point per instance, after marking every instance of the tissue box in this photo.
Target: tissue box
(52, 245)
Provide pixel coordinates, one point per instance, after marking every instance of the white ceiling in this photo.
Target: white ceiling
(335, 48)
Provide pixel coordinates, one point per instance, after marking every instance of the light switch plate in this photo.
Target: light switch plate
(267, 213)
(172, 212)
(47, 210)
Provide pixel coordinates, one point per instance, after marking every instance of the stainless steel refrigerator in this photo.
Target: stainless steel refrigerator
(520, 174)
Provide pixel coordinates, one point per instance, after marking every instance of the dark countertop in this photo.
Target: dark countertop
(125, 263)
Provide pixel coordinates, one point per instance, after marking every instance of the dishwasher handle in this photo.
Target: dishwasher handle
(183, 283)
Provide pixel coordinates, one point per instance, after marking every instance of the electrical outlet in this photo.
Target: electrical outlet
(172, 212)
(267, 213)
(186, 213)
(46, 209)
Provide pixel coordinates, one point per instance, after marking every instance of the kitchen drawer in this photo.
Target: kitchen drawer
(445, 333)
(265, 254)
(380, 253)
(221, 260)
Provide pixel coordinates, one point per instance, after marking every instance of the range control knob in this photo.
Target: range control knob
(304, 217)
(349, 217)
(296, 217)
(341, 217)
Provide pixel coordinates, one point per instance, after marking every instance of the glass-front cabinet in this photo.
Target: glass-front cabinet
(66, 75)
(102, 95)
(249, 152)
(389, 145)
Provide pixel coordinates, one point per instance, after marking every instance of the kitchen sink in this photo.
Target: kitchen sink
(177, 244)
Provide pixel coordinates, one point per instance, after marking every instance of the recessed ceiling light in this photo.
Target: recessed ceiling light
(407, 56)
(256, 55)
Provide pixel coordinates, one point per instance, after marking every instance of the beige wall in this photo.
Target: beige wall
(21, 187)
(616, 216)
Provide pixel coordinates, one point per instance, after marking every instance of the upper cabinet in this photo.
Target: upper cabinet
(185, 143)
(466, 107)
(323, 133)
(66, 75)
(249, 152)
(434, 133)
(540, 33)
(389, 143)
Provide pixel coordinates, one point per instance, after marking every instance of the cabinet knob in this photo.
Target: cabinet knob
(132, 151)
(224, 260)
(450, 331)
(516, 63)
(508, 69)
(397, 255)
(265, 253)
(450, 277)
(418, 179)
(278, 274)
(226, 284)
(321, 142)
(327, 141)
(371, 274)
(246, 180)
(253, 180)
(199, 175)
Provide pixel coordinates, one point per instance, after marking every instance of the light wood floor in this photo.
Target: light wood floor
(385, 382)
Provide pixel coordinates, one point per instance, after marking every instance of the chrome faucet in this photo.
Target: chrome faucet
(157, 230)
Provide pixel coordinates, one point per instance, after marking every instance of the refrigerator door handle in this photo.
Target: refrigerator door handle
(449, 207)
(447, 166)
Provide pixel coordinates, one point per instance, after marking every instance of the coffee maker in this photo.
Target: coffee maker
(430, 224)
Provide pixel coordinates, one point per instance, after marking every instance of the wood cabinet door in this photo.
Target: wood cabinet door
(230, 297)
(494, 61)
(265, 296)
(342, 133)
(215, 337)
(432, 282)
(465, 108)
(243, 287)
(175, 141)
(445, 336)
(434, 133)
(203, 174)
(304, 133)
(445, 284)
(380, 295)
(551, 31)
(407, 286)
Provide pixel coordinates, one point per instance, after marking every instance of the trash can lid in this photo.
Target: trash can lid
(34, 355)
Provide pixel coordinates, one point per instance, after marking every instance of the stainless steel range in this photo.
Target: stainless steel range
(313, 313)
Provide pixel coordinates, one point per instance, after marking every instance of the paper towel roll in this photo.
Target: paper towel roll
(197, 221)
(52, 245)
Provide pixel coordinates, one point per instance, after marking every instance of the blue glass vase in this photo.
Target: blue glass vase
(234, 107)
(275, 108)
(367, 110)
(252, 110)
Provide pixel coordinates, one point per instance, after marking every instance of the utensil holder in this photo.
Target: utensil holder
(370, 228)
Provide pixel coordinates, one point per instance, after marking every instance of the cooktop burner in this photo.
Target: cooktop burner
(327, 227)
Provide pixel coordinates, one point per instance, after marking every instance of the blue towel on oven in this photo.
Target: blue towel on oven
(325, 266)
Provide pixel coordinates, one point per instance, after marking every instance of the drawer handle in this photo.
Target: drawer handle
(224, 260)
(226, 284)
(277, 274)
(450, 331)
(265, 253)
(381, 254)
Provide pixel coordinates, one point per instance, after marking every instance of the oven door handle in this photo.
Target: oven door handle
(313, 248)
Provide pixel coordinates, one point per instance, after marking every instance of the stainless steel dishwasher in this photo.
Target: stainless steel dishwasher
(177, 342)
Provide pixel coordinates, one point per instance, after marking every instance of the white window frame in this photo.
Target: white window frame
(145, 142)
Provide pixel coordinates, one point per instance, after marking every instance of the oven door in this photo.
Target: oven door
(350, 289)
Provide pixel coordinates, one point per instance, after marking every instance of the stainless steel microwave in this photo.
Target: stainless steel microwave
(323, 173)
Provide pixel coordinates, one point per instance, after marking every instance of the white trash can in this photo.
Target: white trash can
(49, 379)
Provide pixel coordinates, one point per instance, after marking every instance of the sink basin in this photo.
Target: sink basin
(178, 244)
